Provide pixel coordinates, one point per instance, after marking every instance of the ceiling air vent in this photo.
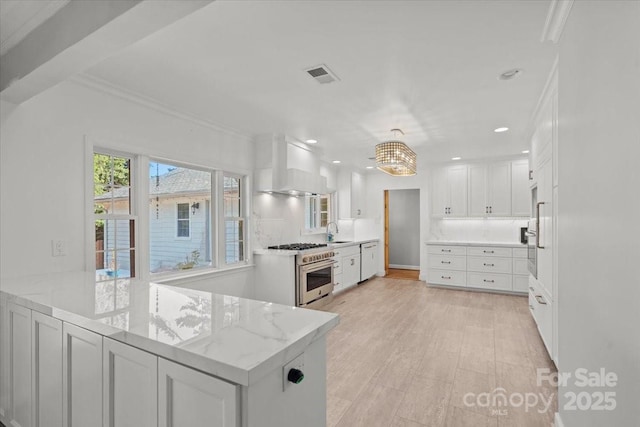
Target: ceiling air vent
(322, 74)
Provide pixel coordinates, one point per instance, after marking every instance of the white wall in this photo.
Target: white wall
(42, 167)
(599, 204)
(404, 221)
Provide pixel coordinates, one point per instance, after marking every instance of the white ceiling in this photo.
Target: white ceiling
(427, 67)
(19, 17)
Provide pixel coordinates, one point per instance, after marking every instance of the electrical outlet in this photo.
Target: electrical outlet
(297, 363)
(58, 247)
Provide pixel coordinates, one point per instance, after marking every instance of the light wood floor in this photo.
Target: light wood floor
(398, 273)
(405, 355)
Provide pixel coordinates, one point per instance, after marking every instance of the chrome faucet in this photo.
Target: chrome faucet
(329, 235)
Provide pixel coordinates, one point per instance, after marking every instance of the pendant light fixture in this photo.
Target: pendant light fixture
(395, 158)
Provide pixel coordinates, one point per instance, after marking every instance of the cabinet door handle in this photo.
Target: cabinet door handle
(531, 288)
(540, 300)
(445, 262)
(490, 209)
(445, 250)
(446, 277)
(488, 281)
(353, 261)
(538, 225)
(486, 209)
(489, 265)
(532, 307)
(488, 252)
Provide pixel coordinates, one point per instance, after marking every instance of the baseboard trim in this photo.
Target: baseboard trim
(404, 267)
(557, 421)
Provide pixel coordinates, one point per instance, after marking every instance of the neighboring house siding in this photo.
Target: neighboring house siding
(166, 249)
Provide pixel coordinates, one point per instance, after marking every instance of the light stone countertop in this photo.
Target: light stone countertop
(489, 244)
(237, 339)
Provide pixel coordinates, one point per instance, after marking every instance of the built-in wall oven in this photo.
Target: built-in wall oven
(314, 279)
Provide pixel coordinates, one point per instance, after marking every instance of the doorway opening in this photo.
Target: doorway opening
(402, 234)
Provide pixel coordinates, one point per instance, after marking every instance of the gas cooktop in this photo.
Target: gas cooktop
(298, 246)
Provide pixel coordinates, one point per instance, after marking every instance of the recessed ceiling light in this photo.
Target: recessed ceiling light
(511, 74)
(369, 167)
(525, 151)
(336, 161)
(456, 158)
(498, 130)
(311, 141)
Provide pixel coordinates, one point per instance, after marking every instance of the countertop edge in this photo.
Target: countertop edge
(479, 244)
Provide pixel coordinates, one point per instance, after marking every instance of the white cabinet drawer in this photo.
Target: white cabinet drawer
(489, 265)
(447, 250)
(447, 277)
(348, 250)
(337, 265)
(489, 281)
(520, 283)
(448, 262)
(337, 283)
(520, 266)
(489, 251)
(520, 253)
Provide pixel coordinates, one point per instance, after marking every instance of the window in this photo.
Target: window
(317, 211)
(194, 218)
(179, 217)
(114, 222)
(234, 221)
(183, 220)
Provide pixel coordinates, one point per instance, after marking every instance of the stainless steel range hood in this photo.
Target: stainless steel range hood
(288, 167)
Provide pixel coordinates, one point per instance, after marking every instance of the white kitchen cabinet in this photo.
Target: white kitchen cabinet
(351, 200)
(483, 267)
(449, 192)
(190, 398)
(346, 269)
(520, 193)
(490, 189)
(130, 386)
(545, 231)
(81, 377)
(19, 366)
(46, 370)
(351, 270)
(4, 360)
(369, 260)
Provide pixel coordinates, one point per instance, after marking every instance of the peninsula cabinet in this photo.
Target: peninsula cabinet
(46, 370)
(189, 398)
(81, 377)
(19, 365)
(130, 386)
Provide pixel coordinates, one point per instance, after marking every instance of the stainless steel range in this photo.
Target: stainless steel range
(314, 271)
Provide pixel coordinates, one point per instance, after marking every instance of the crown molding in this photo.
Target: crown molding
(109, 88)
(556, 19)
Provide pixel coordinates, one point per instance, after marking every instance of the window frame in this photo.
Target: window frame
(178, 219)
(316, 200)
(243, 217)
(139, 196)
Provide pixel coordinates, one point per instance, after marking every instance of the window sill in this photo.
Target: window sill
(182, 277)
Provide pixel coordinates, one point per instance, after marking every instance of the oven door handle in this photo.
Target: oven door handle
(317, 265)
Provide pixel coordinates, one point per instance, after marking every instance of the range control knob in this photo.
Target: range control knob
(295, 376)
(305, 259)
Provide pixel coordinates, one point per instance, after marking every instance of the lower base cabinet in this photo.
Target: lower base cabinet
(189, 398)
(19, 365)
(81, 377)
(130, 386)
(46, 370)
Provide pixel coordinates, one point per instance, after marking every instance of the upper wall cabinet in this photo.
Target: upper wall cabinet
(499, 189)
(351, 201)
(449, 192)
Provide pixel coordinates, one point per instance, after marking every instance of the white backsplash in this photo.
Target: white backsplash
(477, 230)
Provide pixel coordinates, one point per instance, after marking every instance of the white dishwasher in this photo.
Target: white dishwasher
(369, 260)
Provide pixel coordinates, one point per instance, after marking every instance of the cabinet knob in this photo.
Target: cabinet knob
(295, 376)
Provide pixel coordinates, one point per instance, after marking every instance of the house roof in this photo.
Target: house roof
(178, 181)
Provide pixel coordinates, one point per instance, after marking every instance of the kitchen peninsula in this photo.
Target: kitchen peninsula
(86, 353)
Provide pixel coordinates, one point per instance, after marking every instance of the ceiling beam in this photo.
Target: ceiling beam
(80, 35)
